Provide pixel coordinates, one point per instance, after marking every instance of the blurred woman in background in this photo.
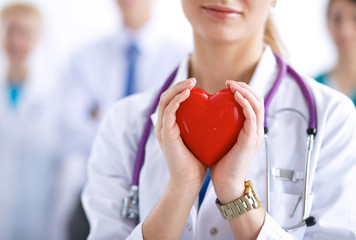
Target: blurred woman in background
(27, 137)
(342, 27)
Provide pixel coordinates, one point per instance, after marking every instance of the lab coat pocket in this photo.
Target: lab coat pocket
(287, 208)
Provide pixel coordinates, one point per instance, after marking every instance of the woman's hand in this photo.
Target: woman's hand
(229, 173)
(184, 168)
(168, 218)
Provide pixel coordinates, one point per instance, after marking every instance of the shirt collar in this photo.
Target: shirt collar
(262, 79)
(265, 73)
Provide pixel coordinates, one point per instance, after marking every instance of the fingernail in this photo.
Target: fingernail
(190, 80)
(234, 84)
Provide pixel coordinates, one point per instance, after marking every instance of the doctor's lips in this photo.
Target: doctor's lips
(221, 12)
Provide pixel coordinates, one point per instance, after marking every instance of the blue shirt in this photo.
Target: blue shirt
(324, 79)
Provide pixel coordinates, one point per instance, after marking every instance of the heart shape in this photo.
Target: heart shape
(210, 124)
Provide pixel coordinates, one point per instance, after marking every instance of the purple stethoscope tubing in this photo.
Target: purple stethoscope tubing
(140, 157)
(129, 207)
(311, 132)
(130, 204)
(283, 69)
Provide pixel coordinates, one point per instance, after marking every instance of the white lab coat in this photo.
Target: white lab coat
(28, 155)
(332, 169)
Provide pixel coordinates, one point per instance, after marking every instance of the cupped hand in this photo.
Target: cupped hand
(184, 168)
(229, 173)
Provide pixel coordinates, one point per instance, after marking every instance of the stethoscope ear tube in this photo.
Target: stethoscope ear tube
(140, 157)
(268, 174)
(311, 131)
(310, 221)
(310, 146)
(305, 221)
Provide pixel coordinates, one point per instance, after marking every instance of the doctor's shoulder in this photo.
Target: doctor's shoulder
(93, 50)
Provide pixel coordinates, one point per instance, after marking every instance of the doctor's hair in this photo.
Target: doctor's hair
(332, 1)
(271, 37)
(20, 9)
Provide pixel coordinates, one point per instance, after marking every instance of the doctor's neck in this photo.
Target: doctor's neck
(17, 72)
(136, 24)
(136, 18)
(213, 63)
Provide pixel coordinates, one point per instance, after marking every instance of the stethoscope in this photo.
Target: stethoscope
(129, 209)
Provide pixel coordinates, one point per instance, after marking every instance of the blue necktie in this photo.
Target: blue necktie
(132, 56)
(204, 187)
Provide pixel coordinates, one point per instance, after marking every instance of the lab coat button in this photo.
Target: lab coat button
(213, 231)
(189, 227)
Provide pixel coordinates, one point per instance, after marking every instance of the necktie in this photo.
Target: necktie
(15, 90)
(132, 56)
(204, 187)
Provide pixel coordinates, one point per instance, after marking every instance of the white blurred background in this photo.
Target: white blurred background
(71, 24)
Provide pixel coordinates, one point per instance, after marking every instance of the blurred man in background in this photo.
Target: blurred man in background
(342, 27)
(130, 61)
(27, 130)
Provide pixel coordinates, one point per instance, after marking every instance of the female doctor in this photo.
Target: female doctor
(233, 41)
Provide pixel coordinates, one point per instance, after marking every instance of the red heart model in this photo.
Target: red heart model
(210, 124)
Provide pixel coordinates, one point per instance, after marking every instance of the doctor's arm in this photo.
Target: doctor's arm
(109, 178)
(168, 217)
(229, 173)
(231, 169)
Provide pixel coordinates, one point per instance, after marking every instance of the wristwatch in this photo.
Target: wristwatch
(242, 205)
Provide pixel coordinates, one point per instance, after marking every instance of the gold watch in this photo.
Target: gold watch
(242, 205)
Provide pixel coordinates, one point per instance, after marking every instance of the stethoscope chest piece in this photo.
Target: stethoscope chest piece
(129, 207)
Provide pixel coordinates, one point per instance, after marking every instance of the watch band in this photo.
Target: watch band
(242, 205)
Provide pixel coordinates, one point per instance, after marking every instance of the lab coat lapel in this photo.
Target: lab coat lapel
(265, 73)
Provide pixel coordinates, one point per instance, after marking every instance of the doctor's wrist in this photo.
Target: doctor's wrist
(230, 192)
(184, 187)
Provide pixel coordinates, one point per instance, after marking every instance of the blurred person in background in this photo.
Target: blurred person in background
(27, 125)
(341, 20)
(137, 57)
